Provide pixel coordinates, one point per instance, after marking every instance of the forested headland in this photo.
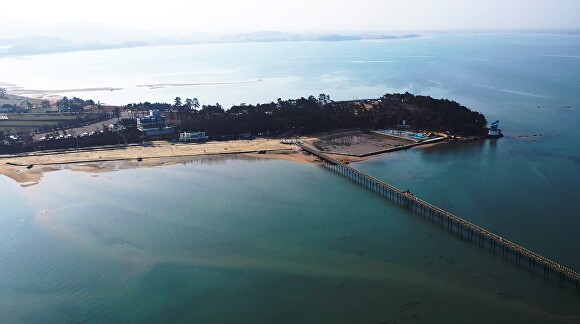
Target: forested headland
(317, 114)
(282, 118)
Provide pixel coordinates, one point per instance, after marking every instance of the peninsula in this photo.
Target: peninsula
(348, 130)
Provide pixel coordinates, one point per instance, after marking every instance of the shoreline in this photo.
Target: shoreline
(55, 94)
(28, 168)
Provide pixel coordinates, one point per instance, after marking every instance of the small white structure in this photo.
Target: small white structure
(404, 125)
(192, 137)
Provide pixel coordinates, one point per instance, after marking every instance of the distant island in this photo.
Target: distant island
(34, 45)
(72, 36)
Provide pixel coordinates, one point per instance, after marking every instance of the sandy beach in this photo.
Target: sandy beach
(28, 168)
(17, 167)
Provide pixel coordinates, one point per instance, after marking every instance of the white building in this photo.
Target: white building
(192, 137)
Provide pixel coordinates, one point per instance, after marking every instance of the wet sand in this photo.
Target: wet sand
(169, 85)
(55, 93)
(151, 154)
(58, 93)
(358, 143)
(28, 168)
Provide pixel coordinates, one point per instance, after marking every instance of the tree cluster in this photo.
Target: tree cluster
(310, 115)
(74, 105)
(146, 106)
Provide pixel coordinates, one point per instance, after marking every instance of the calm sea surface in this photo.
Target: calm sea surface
(274, 241)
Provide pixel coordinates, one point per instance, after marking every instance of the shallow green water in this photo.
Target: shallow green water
(245, 241)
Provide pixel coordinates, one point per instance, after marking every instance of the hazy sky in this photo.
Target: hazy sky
(304, 15)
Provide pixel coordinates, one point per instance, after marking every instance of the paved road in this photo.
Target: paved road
(87, 128)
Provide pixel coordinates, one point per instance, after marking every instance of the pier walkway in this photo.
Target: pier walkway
(466, 230)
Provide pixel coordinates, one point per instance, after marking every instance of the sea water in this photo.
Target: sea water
(487, 72)
(245, 241)
(276, 241)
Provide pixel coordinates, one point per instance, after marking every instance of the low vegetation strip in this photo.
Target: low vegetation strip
(26, 123)
(51, 117)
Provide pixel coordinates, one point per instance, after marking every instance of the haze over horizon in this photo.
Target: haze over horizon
(174, 17)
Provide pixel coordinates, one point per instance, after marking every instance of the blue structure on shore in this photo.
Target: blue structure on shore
(494, 130)
(416, 136)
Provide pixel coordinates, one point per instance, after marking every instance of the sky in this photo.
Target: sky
(201, 16)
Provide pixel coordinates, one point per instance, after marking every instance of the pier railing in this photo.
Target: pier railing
(466, 230)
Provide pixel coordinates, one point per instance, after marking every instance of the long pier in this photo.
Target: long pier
(466, 230)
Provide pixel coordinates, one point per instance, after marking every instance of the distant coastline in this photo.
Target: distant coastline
(39, 45)
(52, 44)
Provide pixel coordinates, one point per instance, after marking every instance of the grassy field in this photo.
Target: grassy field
(12, 123)
(26, 123)
(18, 101)
(39, 121)
(46, 117)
